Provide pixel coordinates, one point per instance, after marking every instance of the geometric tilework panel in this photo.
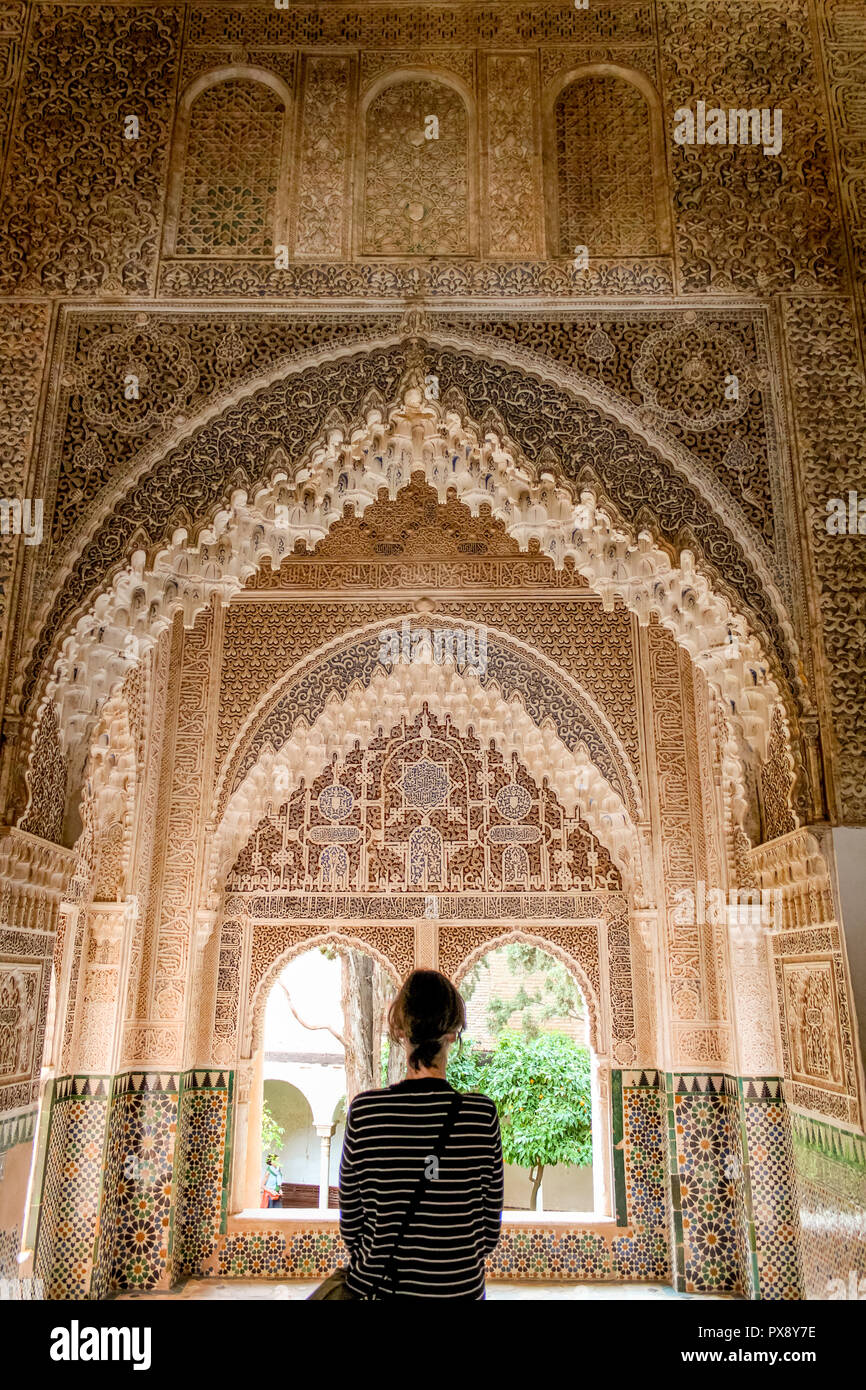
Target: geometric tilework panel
(645, 1185)
(523, 1252)
(10, 1242)
(702, 1145)
(115, 1159)
(737, 1176)
(831, 1179)
(71, 1194)
(773, 1199)
(147, 1121)
(201, 1178)
(298, 1255)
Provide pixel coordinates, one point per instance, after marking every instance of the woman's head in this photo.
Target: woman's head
(272, 1158)
(426, 1011)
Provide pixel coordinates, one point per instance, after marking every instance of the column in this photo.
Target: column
(325, 1133)
(251, 1193)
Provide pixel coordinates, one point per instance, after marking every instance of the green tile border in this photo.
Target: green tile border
(620, 1195)
(819, 1136)
(748, 1200)
(227, 1156)
(678, 1263)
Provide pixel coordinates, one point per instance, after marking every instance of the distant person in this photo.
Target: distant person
(389, 1146)
(273, 1185)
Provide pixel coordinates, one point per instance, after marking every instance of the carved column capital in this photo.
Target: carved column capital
(205, 921)
(244, 1079)
(646, 921)
(107, 922)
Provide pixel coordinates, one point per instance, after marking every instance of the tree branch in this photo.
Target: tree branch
(313, 1027)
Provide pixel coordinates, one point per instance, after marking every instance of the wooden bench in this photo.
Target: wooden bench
(306, 1194)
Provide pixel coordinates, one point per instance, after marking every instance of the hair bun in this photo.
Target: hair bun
(419, 1035)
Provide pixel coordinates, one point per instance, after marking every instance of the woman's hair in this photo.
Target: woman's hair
(427, 1007)
(272, 1158)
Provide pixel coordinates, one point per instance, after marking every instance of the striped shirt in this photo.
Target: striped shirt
(390, 1136)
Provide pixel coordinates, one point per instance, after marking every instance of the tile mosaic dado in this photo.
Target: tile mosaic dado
(732, 1179)
(111, 1179)
(643, 1148)
(707, 1232)
(204, 1147)
(739, 1186)
(530, 1252)
(146, 1115)
(297, 1254)
(523, 1252)
(156, 1192)
(769, 1156)
(830, 1169)
(10, 1241)
(72, 1185)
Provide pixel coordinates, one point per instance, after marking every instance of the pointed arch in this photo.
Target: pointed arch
(261, 986)
(552, 948)
(739, 632)
(354, 716)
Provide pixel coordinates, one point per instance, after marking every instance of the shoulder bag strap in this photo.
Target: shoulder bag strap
(390, 1274)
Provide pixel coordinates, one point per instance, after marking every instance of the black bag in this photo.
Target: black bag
(335, 1286)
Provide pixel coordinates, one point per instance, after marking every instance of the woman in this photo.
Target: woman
(391, 1142)
(272, 1188)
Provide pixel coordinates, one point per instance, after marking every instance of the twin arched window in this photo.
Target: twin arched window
(415, 161)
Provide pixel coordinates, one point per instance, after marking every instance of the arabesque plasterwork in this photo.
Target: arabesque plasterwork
(308, 361)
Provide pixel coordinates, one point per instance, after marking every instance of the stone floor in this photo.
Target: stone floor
(243, 1289)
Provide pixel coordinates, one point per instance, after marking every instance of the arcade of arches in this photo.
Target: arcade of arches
(403, 587)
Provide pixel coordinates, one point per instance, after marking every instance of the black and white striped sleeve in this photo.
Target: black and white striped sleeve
(351, 1204)
(494, 1188)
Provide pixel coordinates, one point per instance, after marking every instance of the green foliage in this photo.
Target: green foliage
(273, 1134)
(471, 979)
(557, 995)
(465, 1069)
(541, 1087)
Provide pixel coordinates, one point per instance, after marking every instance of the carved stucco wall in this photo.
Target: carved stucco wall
(261, 637)
(778, 243)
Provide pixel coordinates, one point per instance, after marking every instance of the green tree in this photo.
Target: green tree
(556, 996)
(472, 978)
(273, 1133)
(541, 1087)
(466, 1067)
